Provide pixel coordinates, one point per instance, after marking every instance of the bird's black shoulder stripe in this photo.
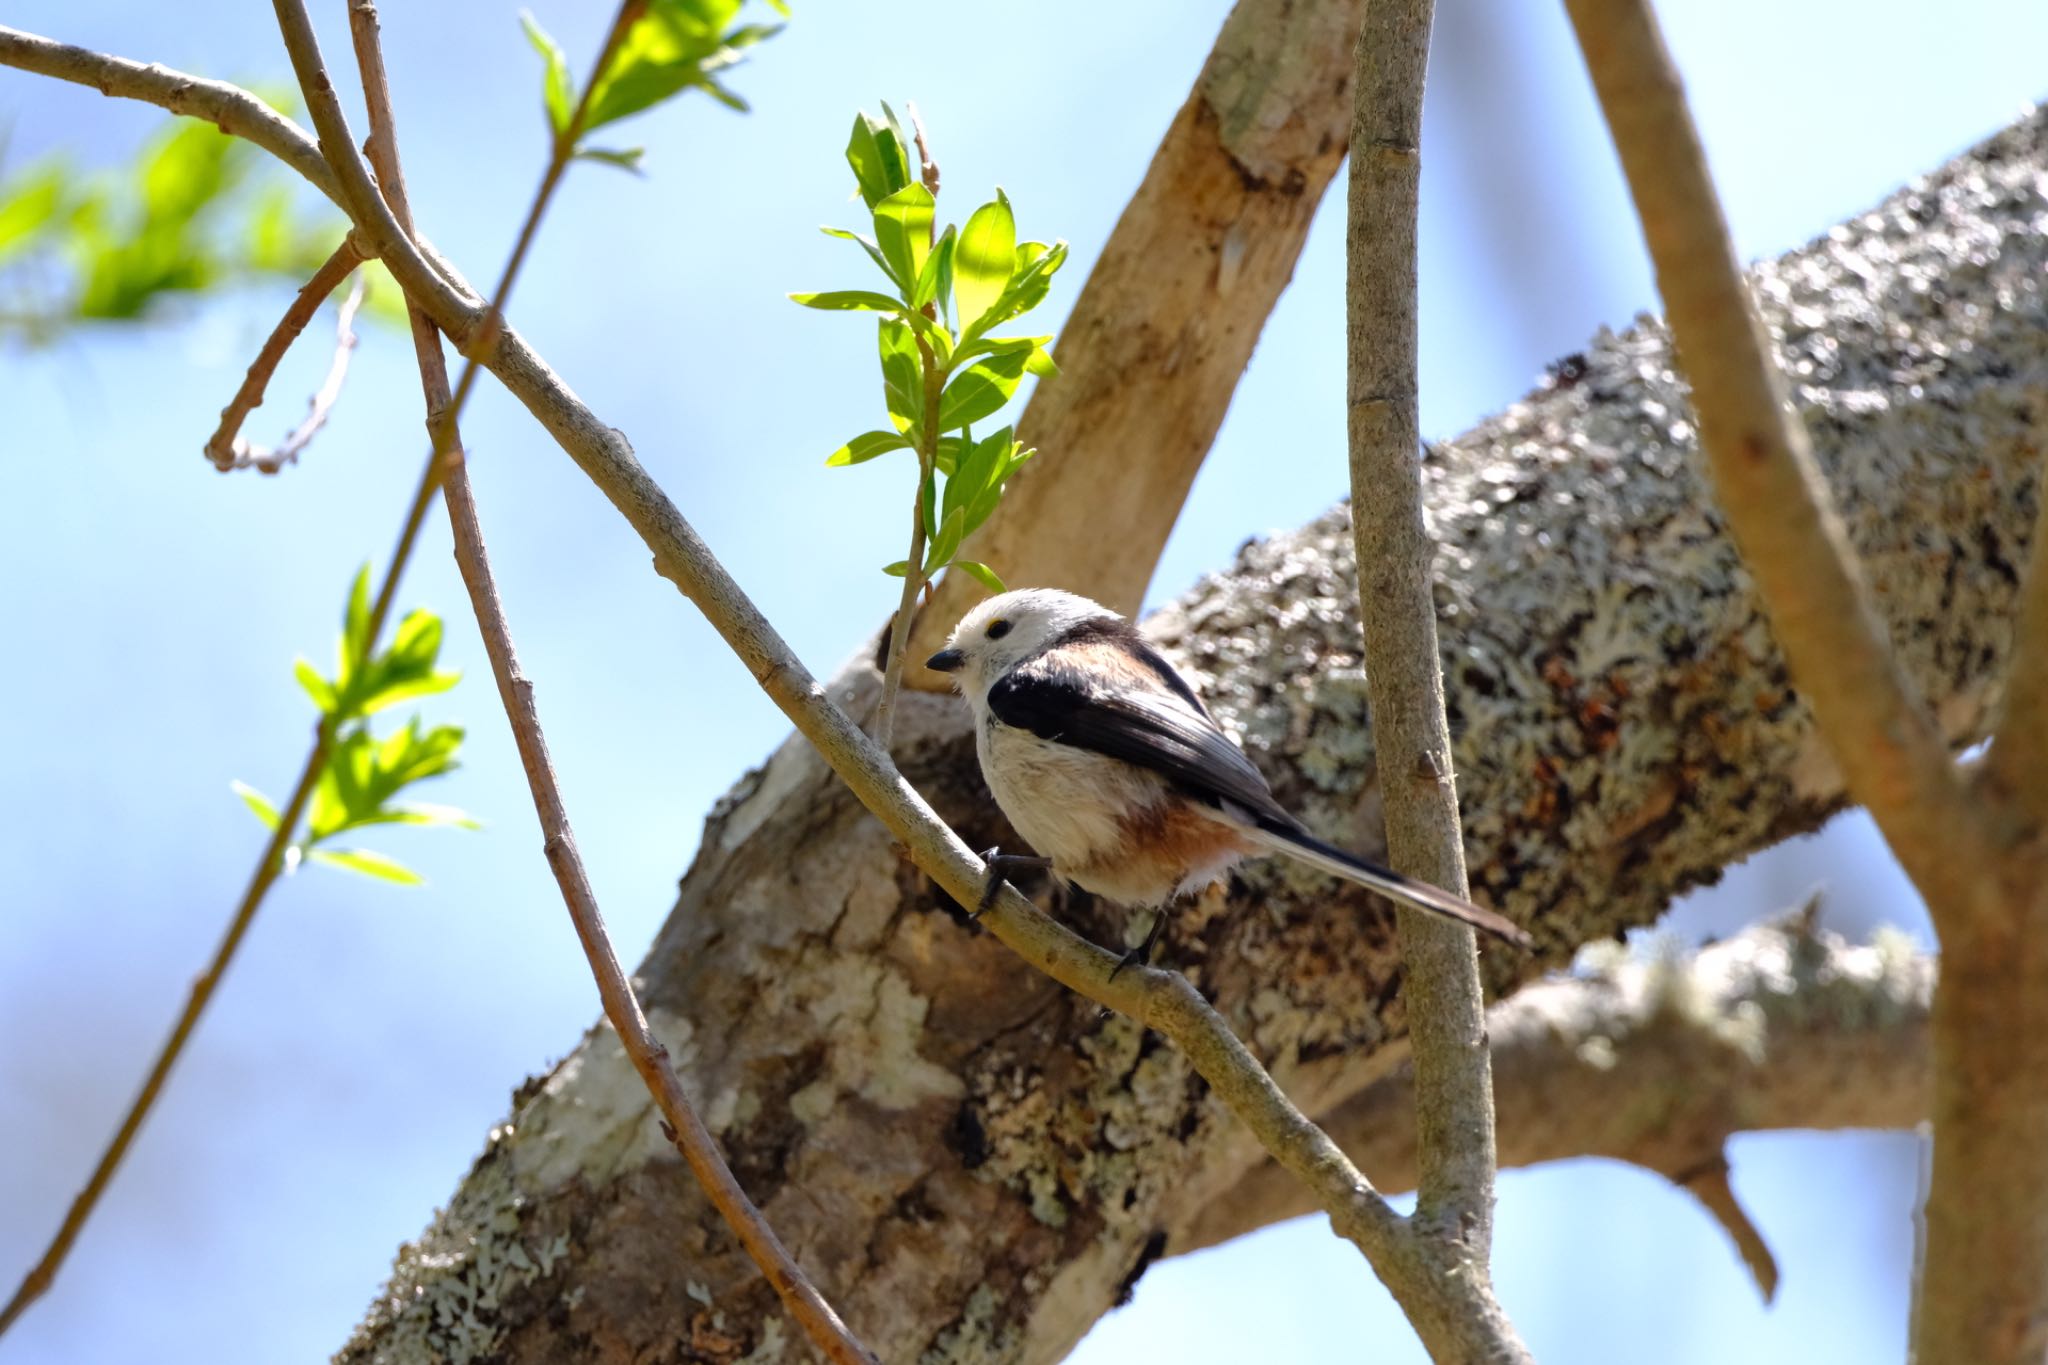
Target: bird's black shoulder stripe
(1118, 631)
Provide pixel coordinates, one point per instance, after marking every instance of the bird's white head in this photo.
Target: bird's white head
(1007, 629)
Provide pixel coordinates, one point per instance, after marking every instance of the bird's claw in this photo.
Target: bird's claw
(998, 863)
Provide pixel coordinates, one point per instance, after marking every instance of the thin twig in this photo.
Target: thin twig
(265, 875)
(226, 448)
(228, 107)
(682, 1125)
(1162, 1000)
(1983, 1291)
(1453, 1218)
(893, 661)
(928, 168)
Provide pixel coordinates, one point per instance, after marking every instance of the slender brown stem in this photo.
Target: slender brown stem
(913, 567)
(265, 875)
(225, 447)
(622, 1007)
(1454, 1310)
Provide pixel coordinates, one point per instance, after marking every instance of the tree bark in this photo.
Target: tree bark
(973, 1163)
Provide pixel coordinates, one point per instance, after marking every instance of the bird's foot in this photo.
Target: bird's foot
(1142, 954)
(1000, 863)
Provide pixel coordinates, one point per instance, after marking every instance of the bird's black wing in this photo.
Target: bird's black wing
(1160, 727)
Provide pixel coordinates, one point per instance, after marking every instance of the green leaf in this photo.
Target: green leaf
(935, 280)
(903, 230)
(977, 468)
(982, 573)
(355, 624)
(849, 300)
(317, 687)
(867, 244)
(676, 45)
(257, 802)
(985, 261)
(946, 542)
(29, 206)
(866, 446)
(393, 689)
(558, 88)
(981, 390)
(626, 158)
(873, 170)
(427, 813)
(1040, 363)
(898, 569)
(369, 864)
(902, 374)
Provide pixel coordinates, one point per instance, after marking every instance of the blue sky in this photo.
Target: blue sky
(369, 1035)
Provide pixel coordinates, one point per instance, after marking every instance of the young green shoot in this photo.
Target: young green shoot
(943, 368)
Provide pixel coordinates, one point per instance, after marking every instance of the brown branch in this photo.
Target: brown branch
(622, 1007)
(2019, 750)
(1453, 1217)
(226, 448)
(1984, 1281)
(929, 168)
(228, 107)
(268, 868)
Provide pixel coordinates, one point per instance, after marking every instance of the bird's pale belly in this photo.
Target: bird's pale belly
(1109, 827)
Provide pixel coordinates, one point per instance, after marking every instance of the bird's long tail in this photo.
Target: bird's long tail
(1304, 847)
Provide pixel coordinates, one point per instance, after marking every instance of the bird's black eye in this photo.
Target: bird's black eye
(998, 628)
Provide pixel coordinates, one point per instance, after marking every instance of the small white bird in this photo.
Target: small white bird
(1104, 758)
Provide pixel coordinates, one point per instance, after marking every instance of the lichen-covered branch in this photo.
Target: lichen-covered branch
(1453, 1221)
(1657, 1063)
(1622, 726)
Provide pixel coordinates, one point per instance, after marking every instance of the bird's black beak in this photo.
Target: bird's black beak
(946, 660)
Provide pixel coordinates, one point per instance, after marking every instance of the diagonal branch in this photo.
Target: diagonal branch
(1395, 555)
(228, 107)
(680, 1121)
(226, 448)
(1778, 509)
(2019, 750)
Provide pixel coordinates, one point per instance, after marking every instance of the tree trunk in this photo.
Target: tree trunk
(974, 1163)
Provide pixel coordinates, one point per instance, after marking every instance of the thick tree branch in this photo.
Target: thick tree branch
(1453, 1220)
(1658, 1063)
(1169, 315)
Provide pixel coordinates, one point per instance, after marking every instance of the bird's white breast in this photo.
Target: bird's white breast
(1067, 802)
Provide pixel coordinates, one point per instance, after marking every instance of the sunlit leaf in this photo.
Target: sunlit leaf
(903, 230)
(676, 45)
(355, 624)
(982, 573)
(28, 206)
(985, 260)
(935, 280)
(902, 374)
(981, 390)
(258, 803)
(317, 687)
(946, 541)
(866, 446)
(849, 300)
(898, 569)
(558, 87)
(370, 864)
(868, 245)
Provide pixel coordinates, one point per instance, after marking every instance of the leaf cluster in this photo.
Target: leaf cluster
(947, 294)
(676, 45)
(365, 774)
(78, 246)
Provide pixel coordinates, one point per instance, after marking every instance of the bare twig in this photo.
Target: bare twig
(1984, 1288)
(226, 448)
(928, 167)
(268, 868)
(228, 107)
(1453, 1218)
(681, 1123)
